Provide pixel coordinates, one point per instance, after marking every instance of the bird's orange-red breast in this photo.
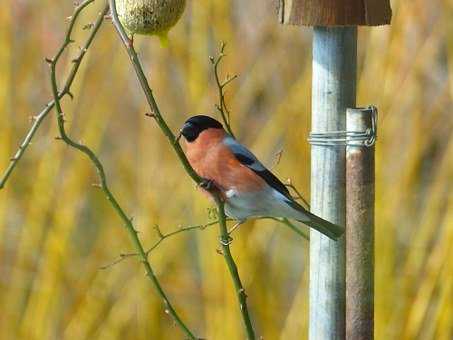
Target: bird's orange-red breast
(212, 159)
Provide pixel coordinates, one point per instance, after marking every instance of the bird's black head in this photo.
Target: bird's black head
(196, 124)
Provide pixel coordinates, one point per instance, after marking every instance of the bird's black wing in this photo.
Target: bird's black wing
(247, 158)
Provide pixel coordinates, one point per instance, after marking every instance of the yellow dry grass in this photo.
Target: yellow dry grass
(56, 230)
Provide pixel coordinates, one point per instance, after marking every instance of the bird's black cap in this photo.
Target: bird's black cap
(196, 124)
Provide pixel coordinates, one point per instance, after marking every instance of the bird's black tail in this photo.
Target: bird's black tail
(327, 228)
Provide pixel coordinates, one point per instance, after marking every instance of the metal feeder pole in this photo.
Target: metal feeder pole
(333, 91)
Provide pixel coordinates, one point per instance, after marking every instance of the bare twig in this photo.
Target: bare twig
(100, 169)
(162, 237)
(182, 229)
(221, 106)
(177, 148)
(277, 159)
(66, 90)
(299, 196)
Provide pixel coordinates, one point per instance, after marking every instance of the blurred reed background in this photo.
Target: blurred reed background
(56, 230)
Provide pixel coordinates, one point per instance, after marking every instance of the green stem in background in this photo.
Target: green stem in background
(100, 170)
(182, 157)
(39, 118)
(290, 225)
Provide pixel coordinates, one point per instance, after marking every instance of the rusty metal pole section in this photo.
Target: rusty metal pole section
(333, 91)
(360, 222)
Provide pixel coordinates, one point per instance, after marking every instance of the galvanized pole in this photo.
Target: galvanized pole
(333, 91)
(360, 226)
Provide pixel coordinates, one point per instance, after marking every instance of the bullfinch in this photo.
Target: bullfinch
(247, 187)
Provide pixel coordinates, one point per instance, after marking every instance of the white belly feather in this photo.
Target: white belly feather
(268, 202)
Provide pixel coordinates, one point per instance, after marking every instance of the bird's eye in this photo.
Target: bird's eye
(191, 136)
(190, 132)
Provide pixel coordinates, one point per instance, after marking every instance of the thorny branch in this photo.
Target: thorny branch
(221, 106)
(156, 114)
(66, 90)
(225, 241)
(101, 172)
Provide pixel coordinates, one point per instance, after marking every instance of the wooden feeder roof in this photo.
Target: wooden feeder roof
(335, 12)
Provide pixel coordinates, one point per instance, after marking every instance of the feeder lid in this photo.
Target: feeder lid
(334, 12)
